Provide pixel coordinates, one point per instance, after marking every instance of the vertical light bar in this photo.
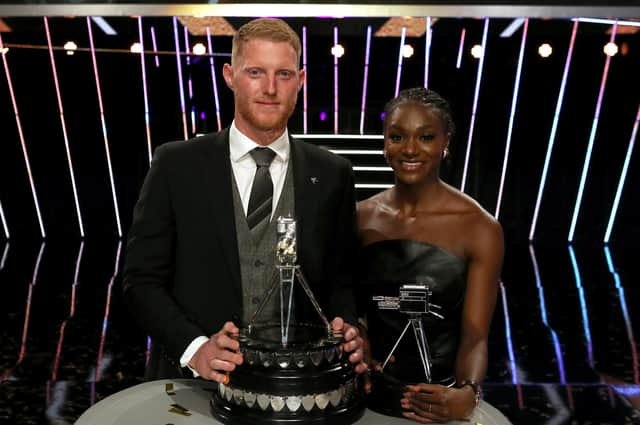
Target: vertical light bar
(363, 105)
(592, 137)
(305, 104)
(476, 95)
(623, 177)
(625, 314)
(399, 70)
(25, 154)
(216, 100)
(180, 81)
(153, 44)
(543, 313)
(583, 305)
(427, 52)
(4, 255)
(27, 313)
(335, 83)
(507, 325)
(104, 128)
(460, 48)
(552, 135)
(64, 126)
(514, 103)
(105, 320)
(187, 50)
(144, 86)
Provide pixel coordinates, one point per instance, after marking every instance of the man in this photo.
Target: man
(201, 247)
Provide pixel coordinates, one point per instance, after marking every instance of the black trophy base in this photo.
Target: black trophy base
(230, 413)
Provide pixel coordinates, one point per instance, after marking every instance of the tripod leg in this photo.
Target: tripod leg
(423, 348)
(263, 303)
(396, 345)
(313, 300)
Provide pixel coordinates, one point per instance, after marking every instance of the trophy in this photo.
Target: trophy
(293, 372)
(414, 302)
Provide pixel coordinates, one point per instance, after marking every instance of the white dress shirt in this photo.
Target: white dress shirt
(244, 170)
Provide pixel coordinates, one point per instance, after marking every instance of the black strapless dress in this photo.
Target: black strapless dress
(383, 267)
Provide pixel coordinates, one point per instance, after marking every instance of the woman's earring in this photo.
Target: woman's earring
(445, 153)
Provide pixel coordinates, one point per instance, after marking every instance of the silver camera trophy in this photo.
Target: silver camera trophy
(414, 301)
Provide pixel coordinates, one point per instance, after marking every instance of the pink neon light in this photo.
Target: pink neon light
(427, 52)
(213, 79)
(335, 83)
(187, 50)
(461, 47)
(104, 129)
(180, 81)
(153, 43)
(25, 154)
(399, 71)
(105, 320)
(64, 126)
(365, 79)
(144, 85)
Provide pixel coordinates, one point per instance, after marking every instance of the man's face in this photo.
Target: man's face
(265, 81)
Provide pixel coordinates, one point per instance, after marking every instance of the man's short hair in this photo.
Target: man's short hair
(270, 29)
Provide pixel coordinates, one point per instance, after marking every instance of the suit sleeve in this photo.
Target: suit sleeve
(345, 246)
(148, 273)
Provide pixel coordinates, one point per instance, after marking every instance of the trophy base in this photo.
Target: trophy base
(309, 380)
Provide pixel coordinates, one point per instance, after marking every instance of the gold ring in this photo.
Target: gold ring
(226, 379)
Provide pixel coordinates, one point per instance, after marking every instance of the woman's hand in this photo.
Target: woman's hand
(427, 403)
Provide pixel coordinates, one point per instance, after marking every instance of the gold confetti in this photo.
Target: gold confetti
(168, 388)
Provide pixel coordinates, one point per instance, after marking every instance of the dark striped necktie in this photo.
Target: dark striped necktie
(261, 198)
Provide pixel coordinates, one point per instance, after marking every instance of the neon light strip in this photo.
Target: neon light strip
(27, 313)
(306, 81)
(147, 117)
(25, 154)
(507, 326)
(386, 169)
(64, 126)
(340, 136)
(216, 99)
(543, 313)
(367, 53)
(427, 53)
(4, 255)
(189, 81)
(153, 43)
(104, 25)
(335, 83)
(75, 278)
(608, 22)
(554, 127)
(373, 186)
(583, 304)
(512, 27)
(399, 71)
(514, 103)
(180, 81)
(104, 128)
(623, 177)
(476, 95)
(460, 48)
(625, 313)
(147, 353)
(592, 137)
(105, 320)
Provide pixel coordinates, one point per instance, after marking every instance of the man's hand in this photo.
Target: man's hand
(352, 343)
(218, 355)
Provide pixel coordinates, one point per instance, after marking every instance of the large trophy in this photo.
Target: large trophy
(293, 372)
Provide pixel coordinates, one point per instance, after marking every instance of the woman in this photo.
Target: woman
(424, 231)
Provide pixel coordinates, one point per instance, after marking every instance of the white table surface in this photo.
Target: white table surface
(149, 403)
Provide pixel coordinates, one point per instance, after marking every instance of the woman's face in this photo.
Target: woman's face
(415, 138)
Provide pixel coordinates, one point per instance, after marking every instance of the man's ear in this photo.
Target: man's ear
(303, 78)
(227, 73)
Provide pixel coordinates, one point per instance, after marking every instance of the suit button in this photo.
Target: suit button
(258, 263)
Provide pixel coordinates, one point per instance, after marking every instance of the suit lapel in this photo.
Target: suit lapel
(217, 182)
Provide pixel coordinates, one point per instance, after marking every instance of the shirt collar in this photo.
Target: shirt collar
(240, 145)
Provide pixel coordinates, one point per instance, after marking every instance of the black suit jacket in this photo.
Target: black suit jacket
(182, 274)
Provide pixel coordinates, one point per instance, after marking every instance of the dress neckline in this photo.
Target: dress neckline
(414, 242)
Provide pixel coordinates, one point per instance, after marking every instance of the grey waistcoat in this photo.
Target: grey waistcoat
(256, 251)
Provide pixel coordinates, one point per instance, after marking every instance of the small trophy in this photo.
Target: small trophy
(294, 373)
(414, 302)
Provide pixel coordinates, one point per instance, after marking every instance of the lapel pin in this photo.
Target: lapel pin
(314, 180)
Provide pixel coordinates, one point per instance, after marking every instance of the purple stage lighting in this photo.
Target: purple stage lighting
(323, 116)
(144, 85)
(180, 81)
